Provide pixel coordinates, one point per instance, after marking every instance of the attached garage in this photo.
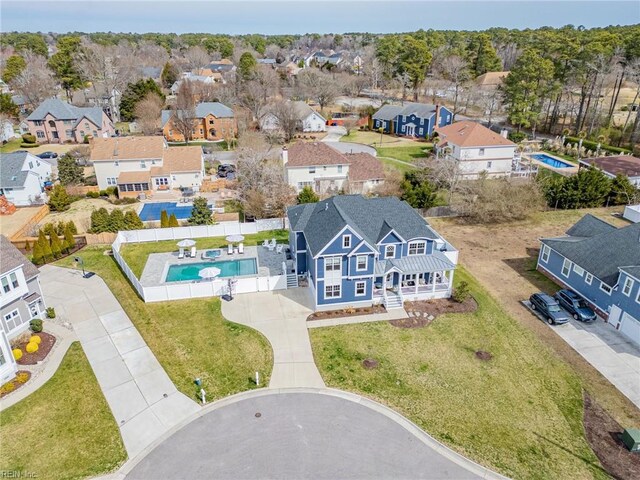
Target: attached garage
(630, 326)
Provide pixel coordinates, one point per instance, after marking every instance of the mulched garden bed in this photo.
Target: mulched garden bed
(603, 434)
(24, 375)
(423, 312)
(46, 344)
(346, 312)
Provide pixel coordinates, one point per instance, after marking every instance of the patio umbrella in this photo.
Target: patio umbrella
(235, 238)
(209, 272)
(186, 243)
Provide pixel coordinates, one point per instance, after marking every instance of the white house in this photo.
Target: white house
(6, 131)
(145, 164)
(308, 119)
(327, 170)
(632, 213)
(477, 149)
(22, 178)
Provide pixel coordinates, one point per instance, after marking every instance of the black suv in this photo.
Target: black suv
(46, 155)
(575, 305)
(225, 169)
(549, 308)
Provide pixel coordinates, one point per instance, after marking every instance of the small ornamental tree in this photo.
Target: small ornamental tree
(72, 227)
(173, 221)
(68, 238)
(200, 213)
(56, 246)
(49, 229)
(307, 195)
(132, 221)
(36, 258)
(116, 221)
(99, 220)
(27, 246)
(59, 199)
(164, 219)
(69, 172)
(47, 254)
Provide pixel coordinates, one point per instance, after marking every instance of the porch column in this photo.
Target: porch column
(416, 282)
(451, 272)
(433, 286)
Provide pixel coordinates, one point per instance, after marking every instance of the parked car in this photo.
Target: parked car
(549, 308)
(575, 305)
(48, 155)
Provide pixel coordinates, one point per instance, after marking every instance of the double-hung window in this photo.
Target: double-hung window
(628, 286)
(566, 267)
(346, 241)
(361, 289)
(417, 248)
(9, 282)
(332, 291)
(361, 263)
(390, 251)
(545, 253)
(12, 320)
(605, 288)
(332, 264)
(588, 278)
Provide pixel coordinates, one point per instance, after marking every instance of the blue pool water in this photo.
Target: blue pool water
(212, 253)
(552, 162)
(228, 268)
(152, 211)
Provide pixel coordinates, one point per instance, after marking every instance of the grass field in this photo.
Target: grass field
(519, 413)
(11, 146)
(408, 154)
(373, 139)
(136, 254)
(190, 338)
(63, 430)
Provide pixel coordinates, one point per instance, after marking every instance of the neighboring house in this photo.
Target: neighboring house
(326, 170)
(271, 62)
(476, 149)
(20, 301)
(490, 80)
(308, 119)
(626, 165)
(357, 64)
(632, 213)
(601, 263)
(55, 121)
(204, 79)
(20, 102)
(290, 69)
(145, 164)
(411, 119)
(358, 251)
(214, 121)
(7, 131)
(222, 66)
(151, 72)
(22, 178)
(207, 72)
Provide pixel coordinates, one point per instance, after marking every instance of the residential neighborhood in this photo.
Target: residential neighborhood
(279, 240)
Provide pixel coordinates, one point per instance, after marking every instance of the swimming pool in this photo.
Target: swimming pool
(552, 162)
(152, 211)
(228, 268)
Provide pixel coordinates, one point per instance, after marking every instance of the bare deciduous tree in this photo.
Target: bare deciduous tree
(35, 83)
(196, 57)
(147, 112)
(455, 70)
(318, 86)
(349, 124)
(287, 116)
(184, 111)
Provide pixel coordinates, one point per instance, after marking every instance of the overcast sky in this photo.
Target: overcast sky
(303, 16)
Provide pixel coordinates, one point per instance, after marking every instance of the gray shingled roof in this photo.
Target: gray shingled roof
(633, 271)
(65, 111)
(601, 254)
(437, 262)
(203, 109)
(389, 112)
(371, 218)
(11, 173)
(12, 258)
(588, 226)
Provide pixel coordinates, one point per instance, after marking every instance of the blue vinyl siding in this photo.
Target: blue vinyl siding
(353, 260)
(335, 247)
(347, 293)
(628, 303)
(301, 244)
(301, 262)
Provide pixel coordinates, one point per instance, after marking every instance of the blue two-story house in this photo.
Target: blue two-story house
(358, 251)
(601, 263)
(411, 119)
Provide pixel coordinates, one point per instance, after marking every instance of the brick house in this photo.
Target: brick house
(214, 121)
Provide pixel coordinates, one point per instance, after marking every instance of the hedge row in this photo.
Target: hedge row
(590, 145)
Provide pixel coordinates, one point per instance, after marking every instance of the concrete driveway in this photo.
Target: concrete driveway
(334, 134)
(144, 401)
(281, 317)
(298, 435)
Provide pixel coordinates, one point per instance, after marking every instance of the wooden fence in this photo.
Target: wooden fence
(81, 190)
(82, 239)
(31, 223)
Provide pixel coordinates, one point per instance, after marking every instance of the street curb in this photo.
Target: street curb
(411, 427)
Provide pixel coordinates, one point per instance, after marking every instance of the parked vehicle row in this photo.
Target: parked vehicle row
(558, 309)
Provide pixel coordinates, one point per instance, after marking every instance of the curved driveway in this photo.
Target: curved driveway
(320, 434)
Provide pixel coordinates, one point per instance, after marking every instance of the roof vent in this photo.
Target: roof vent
(115, 149)
(326, 206)
(14, 178)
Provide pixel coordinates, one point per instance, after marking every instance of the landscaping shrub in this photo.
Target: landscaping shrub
(28, 145)
(72, 227)
(173, 221)
(51, 312)
(7, 387)
(56, 246)
(591, 145)
(22, 377)
(461, 292)
(69, 240)
(103, 193)
(123, 201)
(32, 347)
(132, 220)
(59, 199)
(17, 353)
(35, 338)
(28, 138)
(112, 191)
(35, 325)
(164, 219)
(93, 194)
(47, 254)
(517, 137)
(37, 256)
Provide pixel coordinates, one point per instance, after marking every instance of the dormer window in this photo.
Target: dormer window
(417, 248)
(390, 251)
(346, 241)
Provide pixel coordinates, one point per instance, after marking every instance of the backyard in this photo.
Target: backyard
(80, 212)
(519, 412)
(63, 430)
(190, 338)
(136, 254)
(374, 139)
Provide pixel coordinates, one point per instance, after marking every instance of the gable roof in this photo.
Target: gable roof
(491, 79)
(12, 258)
(471, 134)
(389, 112)
(217, 109)
(363, 167)
(367, 217)
(11, 173)
(624, 164)
(588, 226)
(126, 148)
(308, 154)
(601, 254)
(65, 111)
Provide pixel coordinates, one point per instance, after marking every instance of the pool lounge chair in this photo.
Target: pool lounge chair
(241, 248)
(265, 243)
(230, 249)
(272, 245)
(193, 252)
(279, 248)
(181, 254)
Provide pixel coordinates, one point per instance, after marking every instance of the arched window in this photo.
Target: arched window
(212, 132)
(52, 124)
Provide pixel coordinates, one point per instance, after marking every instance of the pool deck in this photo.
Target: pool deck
(155, 271)
(566, 171)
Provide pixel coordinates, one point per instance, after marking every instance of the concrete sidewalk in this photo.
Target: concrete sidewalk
(143, 400)
(281, 317)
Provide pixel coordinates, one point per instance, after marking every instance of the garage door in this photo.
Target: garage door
(630, 326)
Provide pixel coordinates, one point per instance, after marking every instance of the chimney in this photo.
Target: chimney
(285, 156)
(437, 124)
(504, 133)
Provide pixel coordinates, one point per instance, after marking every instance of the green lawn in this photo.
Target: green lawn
(11, 146)
(408, 154)
(374, 139)
(395, 164)
(64, 429)
(190, 338)
(136, 254)
(519, 413)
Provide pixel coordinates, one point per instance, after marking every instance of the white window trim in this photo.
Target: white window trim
(385, 251)
(346, 239)
(628, 282)
(588, 279)
(364, 290)
(339, 285)
(608, 292)
(11, 318)
(578, 270)
(569, 264)
(638, 296)
(545, 253)
(366, 263)
(417, 243)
